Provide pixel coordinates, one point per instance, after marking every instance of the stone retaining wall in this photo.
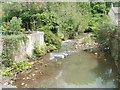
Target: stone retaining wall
(26, 48)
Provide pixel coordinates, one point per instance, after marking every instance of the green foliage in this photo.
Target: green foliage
(10, 46)
(116, 4)
(98, 10)
(50, 48)
(73, 17)
(98, 7)
(12, 27)
(60, 34)
(10, 10)
(6, 71)
(20, 65)
(7, 62)
(105, 33)
(70, 18)
(2, 28)
(51, 38)
(16, 66)
(39, 50)
(45, 18)
(15, 24)
(23, 11)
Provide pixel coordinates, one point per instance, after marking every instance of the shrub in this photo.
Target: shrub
(7, 63)
(6, 71)
(2, 29)
(20, 65)
(13, 27)
(39, 50)
(16, 66)
(104, 34)
(51, 38)
(50, 48)
(60, 34)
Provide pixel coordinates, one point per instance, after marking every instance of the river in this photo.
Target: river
(72, 68)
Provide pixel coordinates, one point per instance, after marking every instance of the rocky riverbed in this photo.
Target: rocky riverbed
(43, 68)
(86, 44)
(21, 79)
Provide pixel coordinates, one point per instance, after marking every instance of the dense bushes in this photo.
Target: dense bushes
(51, 38)
(98, 10)
(48, 23)
(12, 27)
(39, 50)
(105, 34)
(69, 18)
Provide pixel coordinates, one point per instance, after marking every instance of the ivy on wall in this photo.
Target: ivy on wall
(10, 46)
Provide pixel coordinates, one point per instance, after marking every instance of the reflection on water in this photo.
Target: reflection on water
(82, 70)
(79, 69)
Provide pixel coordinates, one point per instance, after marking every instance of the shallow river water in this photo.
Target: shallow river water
(72, 68)
(79, 69)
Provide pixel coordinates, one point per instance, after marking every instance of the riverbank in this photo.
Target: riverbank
(91, 45)
(44, 69)
(86, 44)
(39, 70)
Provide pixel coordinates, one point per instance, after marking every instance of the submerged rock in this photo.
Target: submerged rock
(33, 74)
(22, 83)
(96, 53)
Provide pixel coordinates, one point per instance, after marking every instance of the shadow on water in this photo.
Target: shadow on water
(107, 69)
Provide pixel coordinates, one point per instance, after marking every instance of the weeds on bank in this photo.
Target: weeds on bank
(16, 66)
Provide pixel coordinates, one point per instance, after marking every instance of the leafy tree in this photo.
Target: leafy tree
(50, 38)
(73, 17)
(13, 27)
(23, 11)
(98, 10)
(10, 10)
